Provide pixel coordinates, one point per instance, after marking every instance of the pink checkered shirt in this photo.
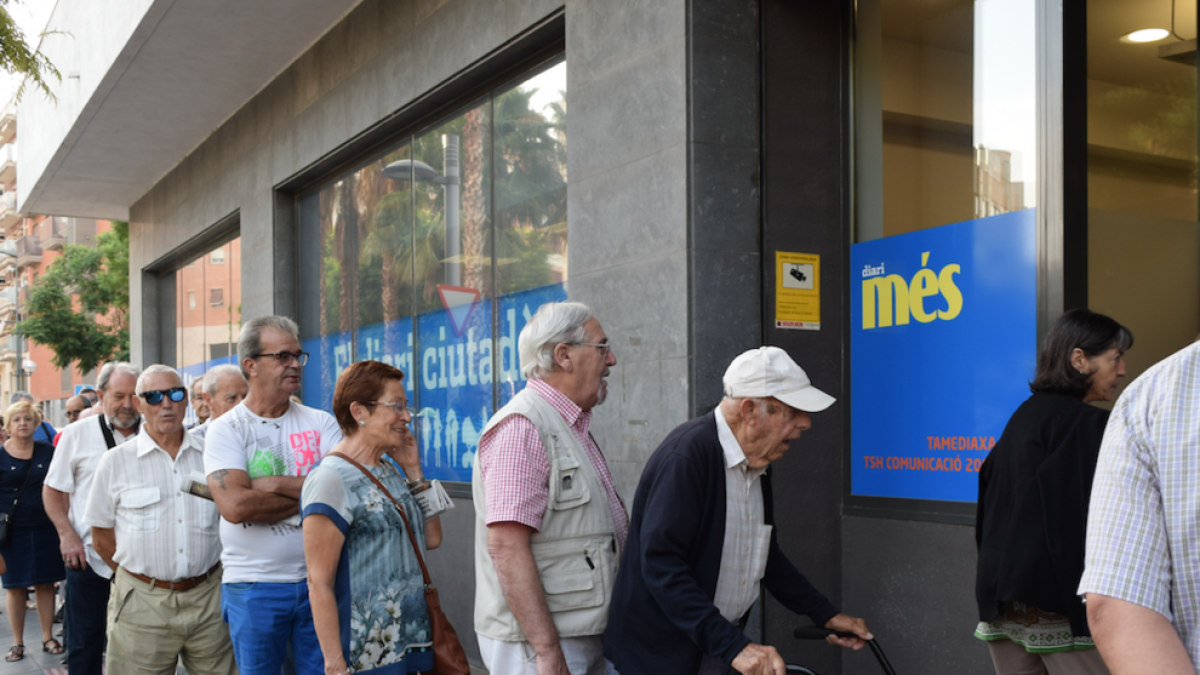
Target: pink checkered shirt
(516, 470)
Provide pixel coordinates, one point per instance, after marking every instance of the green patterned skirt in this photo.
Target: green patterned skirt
(1033, 629)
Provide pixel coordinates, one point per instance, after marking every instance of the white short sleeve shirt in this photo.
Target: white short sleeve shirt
(289, 445)
(75, 458)
(161, 531)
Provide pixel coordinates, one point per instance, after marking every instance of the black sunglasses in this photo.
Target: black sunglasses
(155, 397)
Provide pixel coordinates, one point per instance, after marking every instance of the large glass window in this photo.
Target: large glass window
(1143, 235)
(433, 254)
(943, 271)
(946, 105)
(208, 311)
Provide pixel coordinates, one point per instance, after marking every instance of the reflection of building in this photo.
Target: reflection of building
(995, 192)
(38, 241)
(208, 306)
(706, 137)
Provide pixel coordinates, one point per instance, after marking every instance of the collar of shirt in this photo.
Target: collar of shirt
(145, 444)
(732, 449)
(573, 414)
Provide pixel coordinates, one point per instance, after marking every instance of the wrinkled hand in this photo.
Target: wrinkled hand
(73, 555)
(848, 624)
(552, 662)
(336, 666)
(757, 659)
(407, 456)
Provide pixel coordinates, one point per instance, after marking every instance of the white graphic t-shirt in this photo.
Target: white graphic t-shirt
(284, 446)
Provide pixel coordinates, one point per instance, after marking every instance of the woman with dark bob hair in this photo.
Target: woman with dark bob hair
(365, 583)
(1033, 496)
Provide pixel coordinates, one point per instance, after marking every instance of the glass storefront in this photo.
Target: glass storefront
(943, 268)
(434, 253)
(208, 311)
(1143, 235)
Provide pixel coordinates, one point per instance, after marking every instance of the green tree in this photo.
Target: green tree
(98, 329)
(17, 58)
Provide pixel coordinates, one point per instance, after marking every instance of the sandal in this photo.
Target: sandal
(57, 647)
(15, 653)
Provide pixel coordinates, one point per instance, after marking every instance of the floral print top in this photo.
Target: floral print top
(378, 585)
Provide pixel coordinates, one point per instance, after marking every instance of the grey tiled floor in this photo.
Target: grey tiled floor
(36, 662)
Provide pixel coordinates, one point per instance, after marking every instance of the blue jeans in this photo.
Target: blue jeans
(263, 619)
(85, 619)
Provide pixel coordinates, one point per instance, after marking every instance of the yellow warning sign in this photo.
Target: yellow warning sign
(797, 291)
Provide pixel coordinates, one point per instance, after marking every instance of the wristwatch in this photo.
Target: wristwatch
(415, 486)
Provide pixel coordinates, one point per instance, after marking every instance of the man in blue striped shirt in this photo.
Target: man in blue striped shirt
(1142, 572)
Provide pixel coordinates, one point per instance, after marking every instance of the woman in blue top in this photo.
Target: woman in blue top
(365, 584)
(31, 547)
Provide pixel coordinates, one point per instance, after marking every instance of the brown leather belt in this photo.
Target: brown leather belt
(185, 585)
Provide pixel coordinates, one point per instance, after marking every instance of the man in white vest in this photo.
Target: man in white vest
(549, 526)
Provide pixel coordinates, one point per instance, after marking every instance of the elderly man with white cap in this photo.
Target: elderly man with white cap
(701, 539)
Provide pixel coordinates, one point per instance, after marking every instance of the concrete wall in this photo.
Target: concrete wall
(381, 57)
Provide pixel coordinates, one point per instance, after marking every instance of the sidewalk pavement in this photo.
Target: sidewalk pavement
(36, 662)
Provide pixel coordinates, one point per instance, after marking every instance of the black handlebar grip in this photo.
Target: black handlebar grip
(818, 633)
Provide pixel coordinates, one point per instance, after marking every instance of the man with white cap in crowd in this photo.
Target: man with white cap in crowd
(701, 539)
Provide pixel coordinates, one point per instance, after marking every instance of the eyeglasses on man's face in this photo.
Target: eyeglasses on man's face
(604, 347)
(155, 397)
(286, 358)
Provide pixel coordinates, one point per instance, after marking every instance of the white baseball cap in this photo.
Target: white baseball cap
(769, 371)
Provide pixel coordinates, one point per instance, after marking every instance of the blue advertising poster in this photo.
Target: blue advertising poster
(450, 371)
(943, 332)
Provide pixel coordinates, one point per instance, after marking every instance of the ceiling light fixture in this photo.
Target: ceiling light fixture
(1147, 35)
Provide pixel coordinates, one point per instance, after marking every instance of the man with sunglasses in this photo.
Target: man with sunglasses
(256, 457)
(160, 542)
(65, 493)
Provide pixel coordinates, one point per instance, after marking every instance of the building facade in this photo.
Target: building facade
(37, 241)
(904, 194)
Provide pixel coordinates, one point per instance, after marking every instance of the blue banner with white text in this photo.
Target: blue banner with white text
(451, 372)
(943, 332)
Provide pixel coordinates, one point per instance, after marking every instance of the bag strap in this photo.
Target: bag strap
(108, 434)
(28, 471)
(407, 525)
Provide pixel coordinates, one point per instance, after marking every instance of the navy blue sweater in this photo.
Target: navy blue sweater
(663, 619)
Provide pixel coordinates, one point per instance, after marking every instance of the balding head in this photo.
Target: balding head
(76, 405)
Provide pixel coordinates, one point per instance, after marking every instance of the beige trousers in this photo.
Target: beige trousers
(150, 629)
(1011, 658)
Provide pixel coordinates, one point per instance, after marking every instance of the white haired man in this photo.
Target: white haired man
(195, 395)
(223, 387)
(256, 457)
(161, 543)
(546, 510)
(65, 493)
(702, 541)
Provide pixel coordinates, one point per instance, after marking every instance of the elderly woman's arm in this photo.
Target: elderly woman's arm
(322, 549)
(433, 533)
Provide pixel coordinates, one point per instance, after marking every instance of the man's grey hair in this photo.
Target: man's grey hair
(212, 379)
(19, 396)
(111, 369)
(553, 324)
(154, 370)
(250, 341)
(196, 386)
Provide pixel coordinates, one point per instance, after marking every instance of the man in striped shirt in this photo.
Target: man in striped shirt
(161, 543)
(1140, 577)
(549, 526)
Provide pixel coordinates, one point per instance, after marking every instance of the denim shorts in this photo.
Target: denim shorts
(264, 619)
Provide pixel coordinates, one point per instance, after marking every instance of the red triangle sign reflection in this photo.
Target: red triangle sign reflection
(459, 303)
